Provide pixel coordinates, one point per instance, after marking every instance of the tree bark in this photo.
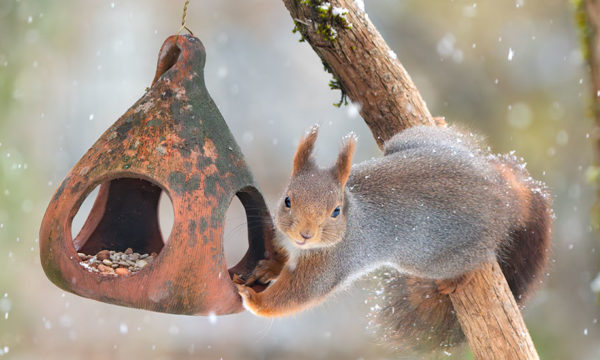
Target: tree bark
(370, 74)
(490, 318)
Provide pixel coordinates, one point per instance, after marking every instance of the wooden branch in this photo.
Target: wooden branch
(367, 69)
(490, 318)
(370, 74)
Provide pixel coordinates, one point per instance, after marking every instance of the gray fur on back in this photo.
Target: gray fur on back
(433, 207)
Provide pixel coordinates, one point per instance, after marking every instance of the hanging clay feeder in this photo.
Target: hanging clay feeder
(173, 140)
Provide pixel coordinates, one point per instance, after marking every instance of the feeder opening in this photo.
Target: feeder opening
(124, 215)
(83, 212)
(167, 58)
(166, 216)
(258, 231)
(235, 243)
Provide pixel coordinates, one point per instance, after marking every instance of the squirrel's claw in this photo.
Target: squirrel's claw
(266, 271)
(446, 287)
(248, 298)
(243, 290)
(237, 279)
(450, 286)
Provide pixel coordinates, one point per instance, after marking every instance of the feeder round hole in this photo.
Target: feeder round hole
(83, 213)
(236, 233)
(84, 216)
(125, 214)
(166, 217)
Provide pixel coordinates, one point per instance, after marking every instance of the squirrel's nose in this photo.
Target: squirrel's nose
(306, 235)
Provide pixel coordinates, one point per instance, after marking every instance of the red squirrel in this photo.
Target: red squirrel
(434, 207)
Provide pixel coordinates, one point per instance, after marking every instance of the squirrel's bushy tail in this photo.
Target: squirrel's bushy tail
(525, 258)
(411, 315)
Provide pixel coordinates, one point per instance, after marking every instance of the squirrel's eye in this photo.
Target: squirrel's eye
(288, 202)
(335, 212)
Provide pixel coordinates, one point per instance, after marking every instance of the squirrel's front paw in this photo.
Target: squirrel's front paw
(266, 270)
(249, 298)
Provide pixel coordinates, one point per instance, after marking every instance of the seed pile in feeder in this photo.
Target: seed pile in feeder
(112, 262)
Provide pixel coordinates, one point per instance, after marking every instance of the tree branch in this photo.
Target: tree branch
(369, 73)
(366, 68)
(490, 318)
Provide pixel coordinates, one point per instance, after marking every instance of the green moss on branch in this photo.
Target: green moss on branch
(326, 20)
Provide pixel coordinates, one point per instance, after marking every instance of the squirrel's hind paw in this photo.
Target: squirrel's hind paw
(450, 286)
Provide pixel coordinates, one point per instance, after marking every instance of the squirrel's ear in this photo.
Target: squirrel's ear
(343, 165)
(305, 149)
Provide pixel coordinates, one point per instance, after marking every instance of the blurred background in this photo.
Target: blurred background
(512, 71)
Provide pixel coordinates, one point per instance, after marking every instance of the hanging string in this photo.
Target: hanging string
(183, 19)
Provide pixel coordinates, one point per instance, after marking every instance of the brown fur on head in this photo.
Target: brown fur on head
(312, 210)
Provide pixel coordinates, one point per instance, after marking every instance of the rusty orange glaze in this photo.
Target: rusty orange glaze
(172, 140)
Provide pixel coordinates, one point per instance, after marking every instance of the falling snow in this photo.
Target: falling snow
(360, 4)
(66, 142)
(595, 284)
(4, 350)
(353, 110)
(212, 318)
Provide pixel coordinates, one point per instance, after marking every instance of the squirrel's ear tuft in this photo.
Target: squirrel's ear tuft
(302, 159)
(343, 165)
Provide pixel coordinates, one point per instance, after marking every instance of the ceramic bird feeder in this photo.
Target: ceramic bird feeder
(172, 140)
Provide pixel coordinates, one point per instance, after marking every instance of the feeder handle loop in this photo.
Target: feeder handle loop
(183, 19)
